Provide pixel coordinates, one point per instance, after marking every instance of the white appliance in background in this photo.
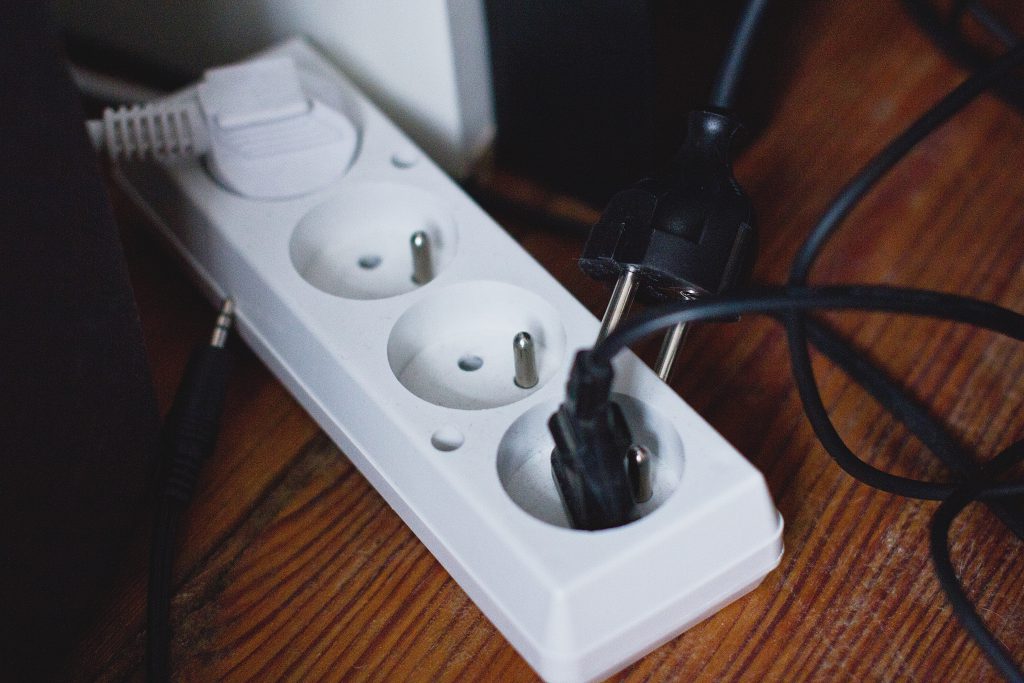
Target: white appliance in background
(424, 62)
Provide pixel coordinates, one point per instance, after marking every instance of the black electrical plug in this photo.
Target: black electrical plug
(686, 232)
(592, 440)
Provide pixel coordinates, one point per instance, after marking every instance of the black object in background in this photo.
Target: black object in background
(591, 96)
(79, 415)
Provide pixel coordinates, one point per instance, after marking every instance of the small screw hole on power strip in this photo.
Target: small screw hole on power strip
(470, 363)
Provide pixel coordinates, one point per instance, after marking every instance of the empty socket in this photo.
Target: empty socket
(357, 244)
(524, 458)
(455, 348)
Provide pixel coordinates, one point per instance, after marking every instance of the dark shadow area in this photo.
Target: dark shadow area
(589, 100)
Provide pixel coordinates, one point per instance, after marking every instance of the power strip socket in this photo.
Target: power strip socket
(414, 382)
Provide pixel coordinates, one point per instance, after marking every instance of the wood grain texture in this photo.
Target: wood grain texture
(295, 569)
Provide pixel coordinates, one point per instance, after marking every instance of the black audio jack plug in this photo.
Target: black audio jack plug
(191, 427)
(684, 233)
(189, 438)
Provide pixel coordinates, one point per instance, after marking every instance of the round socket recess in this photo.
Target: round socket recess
(455, 348)
(524, 458)
(358, 244)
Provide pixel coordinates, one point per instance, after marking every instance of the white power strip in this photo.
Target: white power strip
(323, 289)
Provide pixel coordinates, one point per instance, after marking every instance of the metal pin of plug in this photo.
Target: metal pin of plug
(619, 303)
(224, 321)
(669, 349)
(525, 357)
(671, 344)
(422, 265)
(638, 468)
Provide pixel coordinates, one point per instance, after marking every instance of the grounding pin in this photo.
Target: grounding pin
(422, 266)
(638, 468)
(525, 357)
(619, 303)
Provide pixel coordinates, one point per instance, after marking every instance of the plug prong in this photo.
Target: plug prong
(525, 355)
(422, 265)
(618, 305)
(638, 468)
(669, 349)
(672, 343)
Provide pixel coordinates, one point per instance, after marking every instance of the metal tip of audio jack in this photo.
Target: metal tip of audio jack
(225, 319)
(525, 357)
(422, 265)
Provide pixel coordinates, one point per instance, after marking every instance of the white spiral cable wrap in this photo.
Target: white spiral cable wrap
(159, 130)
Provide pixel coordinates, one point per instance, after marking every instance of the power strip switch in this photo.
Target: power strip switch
(433, 350)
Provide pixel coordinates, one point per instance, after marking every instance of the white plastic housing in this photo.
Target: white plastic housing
(274, 132)
(462, 455)
(425, 62)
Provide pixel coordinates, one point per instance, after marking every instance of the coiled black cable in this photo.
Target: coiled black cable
(946, 30)
(810, 395)
(790, 304)
(939, 540)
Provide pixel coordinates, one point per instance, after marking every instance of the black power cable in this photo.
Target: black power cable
(855, 190)
(939, 542)
(946, 31)
(590, 381)
(727, 81)
(804, 376)
(782, 303)
(687, 229)
(838, 210)
(158, 595)
(904, 408)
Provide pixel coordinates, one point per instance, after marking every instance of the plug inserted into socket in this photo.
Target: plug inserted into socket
(524, 460)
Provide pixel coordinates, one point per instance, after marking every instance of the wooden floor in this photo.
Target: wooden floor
(293, 568)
